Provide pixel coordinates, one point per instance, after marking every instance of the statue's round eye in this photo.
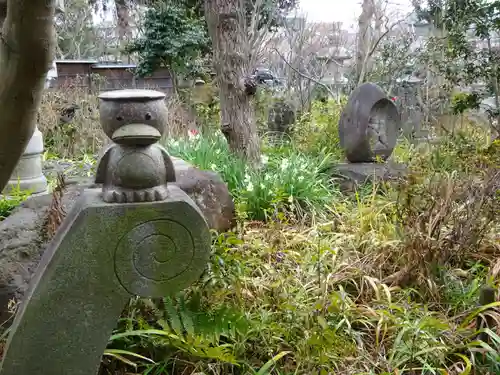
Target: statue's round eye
(119, 118)
(148, 116)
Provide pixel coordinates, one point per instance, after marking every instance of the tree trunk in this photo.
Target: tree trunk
(225, 20)
(364, 39)
(123, 23)
(26, 49)
(495, 130)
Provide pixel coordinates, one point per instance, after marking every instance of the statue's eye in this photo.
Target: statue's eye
(119, 118)
(148, 116)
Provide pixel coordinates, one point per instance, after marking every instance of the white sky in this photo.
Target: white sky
(345, 11)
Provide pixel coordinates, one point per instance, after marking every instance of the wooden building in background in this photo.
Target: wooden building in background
(98, 76)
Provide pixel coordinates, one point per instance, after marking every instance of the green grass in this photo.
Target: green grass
(9, 203)
(287, 180)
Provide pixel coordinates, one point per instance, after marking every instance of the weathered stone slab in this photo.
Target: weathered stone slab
(281, 116)
(369, 125)
(103, 254)
(371, 172)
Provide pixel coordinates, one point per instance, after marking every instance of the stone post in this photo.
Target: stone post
(138, 234)
(28, 174)
(413, 115)
(280, 120)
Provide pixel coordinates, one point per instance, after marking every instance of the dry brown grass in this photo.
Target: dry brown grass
(83, 134)
(56, 212)
(448, 220)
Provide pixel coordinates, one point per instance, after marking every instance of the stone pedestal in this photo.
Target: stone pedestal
(371, 172)
(28, 175)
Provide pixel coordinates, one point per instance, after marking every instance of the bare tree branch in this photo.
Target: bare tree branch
(305, 75)
(374, 48)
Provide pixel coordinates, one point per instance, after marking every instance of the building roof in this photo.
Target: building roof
(114, 66)
(76, 62)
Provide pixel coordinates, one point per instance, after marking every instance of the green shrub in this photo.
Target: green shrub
(293, 182)
(317, 132)
(210, 153)
(466, 152)
(288, 180)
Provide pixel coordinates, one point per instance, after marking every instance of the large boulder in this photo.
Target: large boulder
(209, 192)
(23, 234)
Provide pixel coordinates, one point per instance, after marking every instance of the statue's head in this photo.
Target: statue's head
(133, 117)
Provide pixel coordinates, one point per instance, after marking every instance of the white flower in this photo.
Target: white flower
(284, 164)
(264, 159)
(250, 187)
(213, 167)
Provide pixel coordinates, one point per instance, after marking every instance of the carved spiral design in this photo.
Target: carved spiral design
(156, 257)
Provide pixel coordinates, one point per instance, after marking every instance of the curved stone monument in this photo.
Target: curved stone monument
(369, 125)
(138, 235)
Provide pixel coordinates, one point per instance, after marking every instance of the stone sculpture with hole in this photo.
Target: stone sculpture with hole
(368, 131)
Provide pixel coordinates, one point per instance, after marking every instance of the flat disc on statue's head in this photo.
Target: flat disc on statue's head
(134, 110)
(132, 95)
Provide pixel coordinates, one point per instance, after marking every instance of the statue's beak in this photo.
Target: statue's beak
(136, 134)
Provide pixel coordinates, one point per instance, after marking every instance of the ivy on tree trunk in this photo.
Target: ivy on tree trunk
(231, 56)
